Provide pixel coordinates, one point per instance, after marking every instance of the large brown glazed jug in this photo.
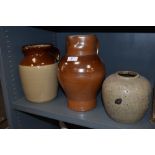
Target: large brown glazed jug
(81, 72)
(38, 72)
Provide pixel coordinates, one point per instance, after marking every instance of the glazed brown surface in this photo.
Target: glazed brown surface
(39, 55)
(81, 79)
(82, 45)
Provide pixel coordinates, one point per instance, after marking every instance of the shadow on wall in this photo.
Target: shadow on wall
(3, 120)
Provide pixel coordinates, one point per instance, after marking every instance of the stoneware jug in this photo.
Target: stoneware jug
(126, 95)
(81, 72)
(38, 72)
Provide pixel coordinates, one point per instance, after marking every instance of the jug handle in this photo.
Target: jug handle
(56, 53)
(98, 45)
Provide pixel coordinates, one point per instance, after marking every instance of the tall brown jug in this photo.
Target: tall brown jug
(81, 72)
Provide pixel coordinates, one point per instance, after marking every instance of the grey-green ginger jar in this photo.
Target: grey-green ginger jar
(126, 95)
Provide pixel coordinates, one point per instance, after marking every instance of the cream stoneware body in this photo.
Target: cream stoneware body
(39, 83)
(126, 96)
(38, 72)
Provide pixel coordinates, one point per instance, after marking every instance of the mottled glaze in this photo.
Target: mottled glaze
(39, 55)
(81, 78)
(126, 96)
(38, 72)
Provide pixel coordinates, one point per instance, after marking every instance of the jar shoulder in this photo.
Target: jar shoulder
(134, 83)
(83, 64)
(33, 60)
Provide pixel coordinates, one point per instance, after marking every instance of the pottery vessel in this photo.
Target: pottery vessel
(81, 72)
(126, 96)
(38, 72)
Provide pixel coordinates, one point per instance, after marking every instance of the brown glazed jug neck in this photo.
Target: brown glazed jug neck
(80, 45)
(39, 55)
(36, 49)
